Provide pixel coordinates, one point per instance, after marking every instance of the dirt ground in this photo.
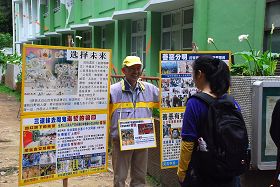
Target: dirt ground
(9, 152)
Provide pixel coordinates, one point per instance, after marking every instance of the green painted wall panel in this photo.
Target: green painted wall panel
(109, 33)
(153, 41)
(224, 21)
(86, 9)
(96, 37)
(136, 3)
(59, 19)
(105, 6)
(126, 38)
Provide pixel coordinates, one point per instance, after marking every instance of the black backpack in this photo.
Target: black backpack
(222, 150)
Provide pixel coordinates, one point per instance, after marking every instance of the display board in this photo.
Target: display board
(60, 78)
(64, 113)
(265, 95)
(177, 86)
(137, 133)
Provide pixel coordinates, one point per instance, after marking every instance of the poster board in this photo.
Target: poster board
(137, 134)
(62, 145)
(65, 112)
(64, 79)
(265, 95)
(177, 86)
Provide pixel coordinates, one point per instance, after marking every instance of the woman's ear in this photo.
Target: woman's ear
(198, 74)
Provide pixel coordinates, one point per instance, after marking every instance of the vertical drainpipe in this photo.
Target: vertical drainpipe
(200, 23)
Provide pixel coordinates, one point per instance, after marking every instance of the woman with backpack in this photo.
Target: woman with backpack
(212, 78)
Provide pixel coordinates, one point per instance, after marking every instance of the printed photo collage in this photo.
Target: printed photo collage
(177, 84)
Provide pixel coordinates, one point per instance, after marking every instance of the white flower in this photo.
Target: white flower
(79, 37)
(210, 40)
(272, 28)
(243, 37)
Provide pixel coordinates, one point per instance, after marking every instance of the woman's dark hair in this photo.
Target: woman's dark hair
(216, 73)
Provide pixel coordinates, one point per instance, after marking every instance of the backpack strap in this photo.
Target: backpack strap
(204, 97)
(208, 100)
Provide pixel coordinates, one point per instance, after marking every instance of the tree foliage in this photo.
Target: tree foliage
(6, 23)
(6, 40)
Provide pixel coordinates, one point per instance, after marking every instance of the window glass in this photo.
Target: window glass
(176, 18)
(166, 40)
(86, 40)
(187, 38)
(275, 41)
(145, 24)
(166, 21)
(138, 38)
(177, 29)
(133, 44)
(134, 27)
(272, 17)
(140, 26)
(188, 16)
(175, 45)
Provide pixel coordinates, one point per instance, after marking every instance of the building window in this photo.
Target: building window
(103, 38)
(56, 6)
(138, 39)
(272, 17)
(86, 40)
(177, 29)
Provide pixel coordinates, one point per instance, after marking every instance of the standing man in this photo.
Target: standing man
(130, 99)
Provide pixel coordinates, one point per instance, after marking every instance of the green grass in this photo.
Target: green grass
(6, 90)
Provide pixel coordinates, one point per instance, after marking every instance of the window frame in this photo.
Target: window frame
(174, 28)
(136, 35)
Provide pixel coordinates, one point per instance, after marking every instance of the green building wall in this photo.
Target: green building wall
(225, 20)
(222, 20)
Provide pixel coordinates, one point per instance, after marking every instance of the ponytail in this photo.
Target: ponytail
(216, 73)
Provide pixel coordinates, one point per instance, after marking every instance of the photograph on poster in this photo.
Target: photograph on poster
(179, 91)
(37, 138)
(47, 169)
(127, 136)
(166, 130)
(184, 66)
(83, 162)
(49, 73)
(176, 133)
(48, 157)
(165, 84)
(30, 159)
(30, 172)
(169, 67)
(146, 128)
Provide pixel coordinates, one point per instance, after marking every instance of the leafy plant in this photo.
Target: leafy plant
(12, 59)
(256, 63)
(6, 40)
